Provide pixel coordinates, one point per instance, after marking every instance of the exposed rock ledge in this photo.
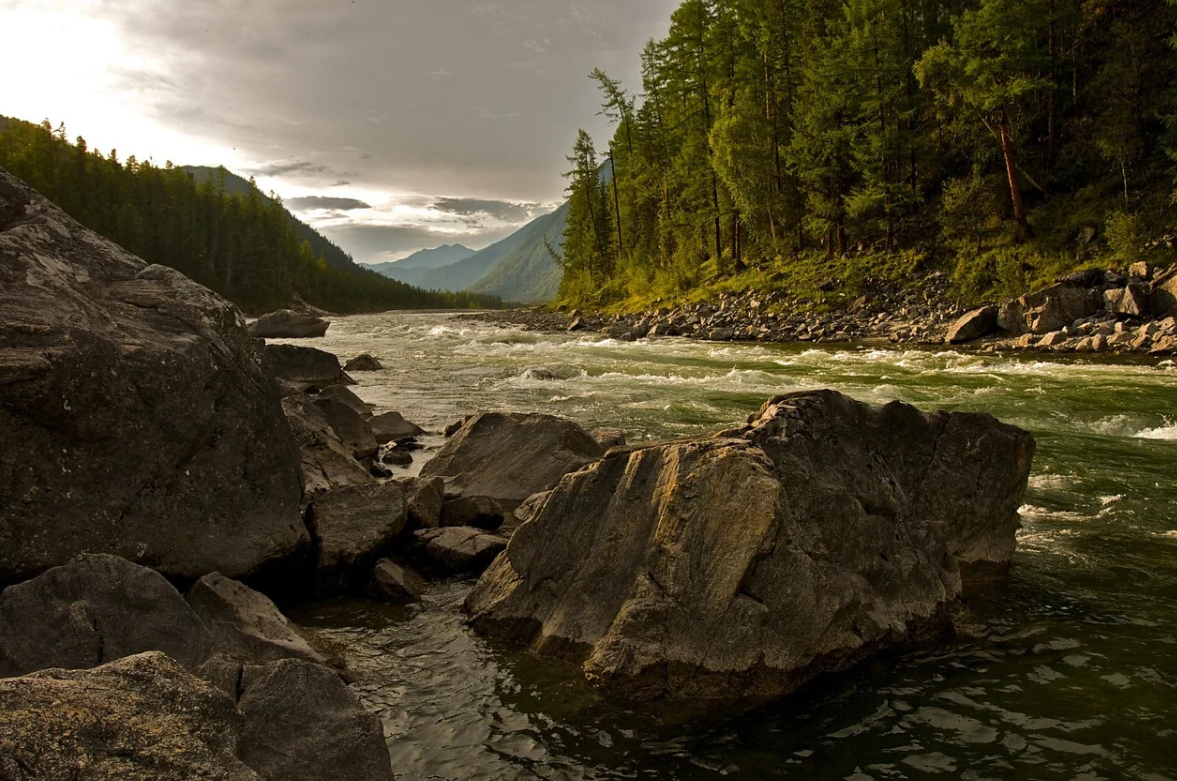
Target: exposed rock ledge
(822, 532)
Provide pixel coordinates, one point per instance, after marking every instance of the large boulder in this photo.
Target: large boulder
(822, 532)
(365, 362)
(327, 465)
(245, 624)
(143, 718)
(302, 368)
(303, 724)
(1131, 300)
(1163, 300)
(288, 324)
(974, 325)
(349, 427)
(392, 427)
(93, 611)
(352, 528)
(509, 457)
(456, 550)
(1050, 309)
(138, 419)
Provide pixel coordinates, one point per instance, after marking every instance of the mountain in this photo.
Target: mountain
(232, 184)
(527, 273)
(445, 255)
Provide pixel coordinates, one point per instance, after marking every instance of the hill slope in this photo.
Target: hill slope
(527, 273)
(445, 255)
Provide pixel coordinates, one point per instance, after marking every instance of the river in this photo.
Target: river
(1070, 673)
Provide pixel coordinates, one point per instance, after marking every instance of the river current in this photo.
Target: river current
(1070, 671)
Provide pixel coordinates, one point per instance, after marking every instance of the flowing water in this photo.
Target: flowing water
(1071, 674)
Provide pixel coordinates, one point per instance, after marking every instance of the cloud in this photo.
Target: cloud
(320, 202)
(504, 211)
(289, 167)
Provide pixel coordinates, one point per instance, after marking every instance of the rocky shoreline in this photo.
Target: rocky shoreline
(1133, 312)
(168, 477)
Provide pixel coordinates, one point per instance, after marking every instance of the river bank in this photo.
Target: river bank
(1096, 312)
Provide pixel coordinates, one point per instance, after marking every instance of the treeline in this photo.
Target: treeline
(1010, 136)
(243, 245)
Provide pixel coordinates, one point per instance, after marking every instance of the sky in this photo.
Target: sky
(389, 125)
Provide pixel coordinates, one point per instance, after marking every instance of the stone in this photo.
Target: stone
(363, 363)
(822, 532)
(456, 550)
(1163, 299)
(346, 395)
(326, 464)
(1052, 339)
(480, 512)
(608, 437)
(1011, 318)
(1140, 270)
(245, 624)
(531, 507)
(142, 718)
(1049, 310)
(392, 427)
(102, 358)
(349, 427)
(975, 325)
(288, 324)
(721, 334)
(577, 324)
(393, 582)
(425, 497)
(95, 610)
(509, 457)
(302, 723)
(395, 456)
(302, 368)
(1131, 300)
(538, 375)
(352, 529)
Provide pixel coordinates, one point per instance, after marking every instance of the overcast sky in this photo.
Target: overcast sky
(391, 125)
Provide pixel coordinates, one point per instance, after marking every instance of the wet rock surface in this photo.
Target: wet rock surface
(822, 532)
(289, 324)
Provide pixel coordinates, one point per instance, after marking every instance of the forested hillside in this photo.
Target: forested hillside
(243, 245)
(1004, 141)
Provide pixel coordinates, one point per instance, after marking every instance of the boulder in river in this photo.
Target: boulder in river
(1050, 309)
(363, 363)
(392, 581)
(346, 395)
(481, 512)
(457, 550)
(288, 324)
(302, 368)
(349, 427)
(392, 427)
(824, 531)
(509, 457)
(327, 465)
(142, 718)
(245, 624)
(975, 325)
(425, 497)
(92, 611)
(136, 415)
(302, 723)
(352, 527)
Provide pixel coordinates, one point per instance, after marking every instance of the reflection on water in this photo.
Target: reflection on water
(1071, 672)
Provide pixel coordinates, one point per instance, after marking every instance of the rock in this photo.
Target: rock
(381, 472)
(577, 324)
(1050, 309)
(1052, 339)
(1163, 300)
(509, 457)
(480, 512)
(392, 427)
(1131, 300)
(349, 427)
(142, 718)
(245, 624)
(102, 357)
(302, 368)
(1140, 270)
(326, 464)
(456, 550)
(1164, 345)
(363, 363)
(288, 324)
(92, 611)
(1011, 318)
(346, 395)
(531, 506)
(822, 532)
(975, 325)
(721, 335)
(303, 724)
(394, 456)
(608, 437)
(425, 497)
(393, 582)
(538, 375)
(352, 528)
(456, 426)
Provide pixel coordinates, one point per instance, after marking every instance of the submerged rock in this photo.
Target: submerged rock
(93, 611)
(137, 417)
(288, 324)
(509, 457)
(363, 363)
(392, 581)
(822, 532)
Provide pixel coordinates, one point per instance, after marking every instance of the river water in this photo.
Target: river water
(1070, 673)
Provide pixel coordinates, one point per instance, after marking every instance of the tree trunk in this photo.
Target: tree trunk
(616, 204)
(1011, 170)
